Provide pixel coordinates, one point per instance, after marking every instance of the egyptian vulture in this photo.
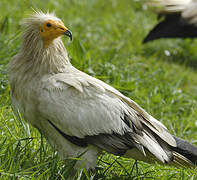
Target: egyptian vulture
(178, 19)
(79, 114)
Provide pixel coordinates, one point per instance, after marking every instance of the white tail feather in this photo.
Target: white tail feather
(153, 147)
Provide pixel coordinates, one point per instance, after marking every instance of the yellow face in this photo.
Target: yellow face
(52, 29)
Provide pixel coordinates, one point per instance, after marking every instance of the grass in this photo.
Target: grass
(160, 76)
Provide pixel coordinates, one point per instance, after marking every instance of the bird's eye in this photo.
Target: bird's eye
(48, 25)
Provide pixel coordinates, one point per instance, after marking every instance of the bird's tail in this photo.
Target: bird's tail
(185, 154)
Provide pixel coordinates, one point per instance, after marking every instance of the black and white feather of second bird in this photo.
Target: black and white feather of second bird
(78, 113)
(177, 19)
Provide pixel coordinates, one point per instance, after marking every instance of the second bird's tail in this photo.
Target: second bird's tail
(185, 154)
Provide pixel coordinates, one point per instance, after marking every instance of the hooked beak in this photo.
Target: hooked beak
(68, 33)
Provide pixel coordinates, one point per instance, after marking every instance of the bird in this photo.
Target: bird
(177, 19)
(78, 114)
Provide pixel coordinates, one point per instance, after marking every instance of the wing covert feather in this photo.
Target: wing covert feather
(81, 111)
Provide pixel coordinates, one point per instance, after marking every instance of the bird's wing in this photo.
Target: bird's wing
(171, 6)
(180, 19)
(190, 12)
(84, 109)
(79, 105)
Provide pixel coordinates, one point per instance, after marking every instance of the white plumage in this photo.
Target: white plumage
(187, 8)
(74, 111)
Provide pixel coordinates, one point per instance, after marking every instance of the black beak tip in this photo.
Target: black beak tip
(69, 34)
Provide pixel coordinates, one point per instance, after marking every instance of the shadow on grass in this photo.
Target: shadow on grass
(183, 52)
(189, 61)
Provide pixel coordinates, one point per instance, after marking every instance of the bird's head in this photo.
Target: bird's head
(51, 29)
(47, 26)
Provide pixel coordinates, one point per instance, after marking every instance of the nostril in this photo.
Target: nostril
(62, 29)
